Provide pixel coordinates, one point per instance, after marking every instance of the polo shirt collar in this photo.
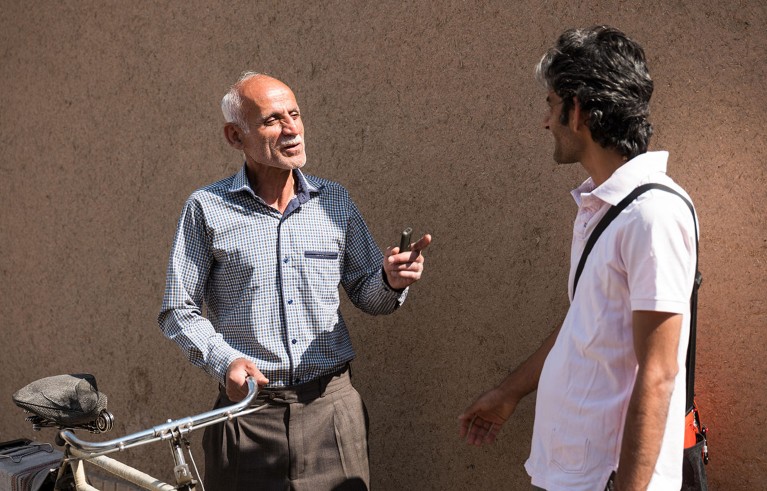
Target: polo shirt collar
(624, 179)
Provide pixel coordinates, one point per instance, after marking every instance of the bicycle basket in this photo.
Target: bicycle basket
(69, 400)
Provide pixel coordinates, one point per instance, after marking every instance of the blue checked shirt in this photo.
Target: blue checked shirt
(269, 280)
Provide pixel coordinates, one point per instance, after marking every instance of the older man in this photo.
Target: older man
(266, 249)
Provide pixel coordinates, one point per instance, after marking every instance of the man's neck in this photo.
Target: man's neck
(273, 185)
(601, 163)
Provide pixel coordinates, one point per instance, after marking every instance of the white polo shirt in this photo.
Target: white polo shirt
(645, 260)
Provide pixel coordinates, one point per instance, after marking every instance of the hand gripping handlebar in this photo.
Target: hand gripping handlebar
(166, 431)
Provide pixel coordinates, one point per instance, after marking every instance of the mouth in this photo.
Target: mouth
(292, 147)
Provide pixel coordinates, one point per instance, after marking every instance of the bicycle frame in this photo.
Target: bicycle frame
(78, 451)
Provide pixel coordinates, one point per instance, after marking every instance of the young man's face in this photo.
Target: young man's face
(567, 148)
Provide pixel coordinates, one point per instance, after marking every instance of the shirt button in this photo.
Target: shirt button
(290, 302)
(295, 341)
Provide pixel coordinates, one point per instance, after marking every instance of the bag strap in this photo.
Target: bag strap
(613, 212)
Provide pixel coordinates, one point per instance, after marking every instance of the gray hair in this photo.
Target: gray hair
(231, 104)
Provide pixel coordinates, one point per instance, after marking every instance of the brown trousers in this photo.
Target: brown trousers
(309, 437)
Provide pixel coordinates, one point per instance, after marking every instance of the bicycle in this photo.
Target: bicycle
(72, 402)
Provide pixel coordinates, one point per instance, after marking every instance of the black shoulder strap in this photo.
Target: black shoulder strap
(613, 212)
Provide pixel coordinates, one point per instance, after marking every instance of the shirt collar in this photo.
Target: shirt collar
(624, 179)
(304, 188)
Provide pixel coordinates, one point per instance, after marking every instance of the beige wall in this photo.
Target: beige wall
(429, 114)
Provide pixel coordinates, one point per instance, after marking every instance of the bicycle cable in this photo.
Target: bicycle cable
(194, 464)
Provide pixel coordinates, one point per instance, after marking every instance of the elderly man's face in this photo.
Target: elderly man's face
(276, 132)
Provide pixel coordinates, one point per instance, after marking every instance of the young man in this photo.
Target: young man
(610, 379)
(266, 250)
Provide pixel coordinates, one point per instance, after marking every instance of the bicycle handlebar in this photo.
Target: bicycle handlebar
(167, 430)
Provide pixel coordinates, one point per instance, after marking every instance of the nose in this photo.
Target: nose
(546, 121)
(291, 126)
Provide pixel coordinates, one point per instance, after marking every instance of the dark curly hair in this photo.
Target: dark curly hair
(608, 73)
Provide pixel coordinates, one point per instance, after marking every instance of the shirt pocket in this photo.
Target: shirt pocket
(322, 275)
(569, 452)
(332, 255)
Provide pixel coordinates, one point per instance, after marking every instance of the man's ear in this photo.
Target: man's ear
(233, 135)
(579, 119)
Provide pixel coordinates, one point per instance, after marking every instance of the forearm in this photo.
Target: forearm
(482, 420)
(656, 340)
(643, 432)
(523, 380)
(199, 341)
(372, 295)
(362, 275)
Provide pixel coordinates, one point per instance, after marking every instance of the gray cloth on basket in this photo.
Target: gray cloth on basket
(66, 399)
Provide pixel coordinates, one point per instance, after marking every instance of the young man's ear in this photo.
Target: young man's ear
(579, 117)
(233, 135)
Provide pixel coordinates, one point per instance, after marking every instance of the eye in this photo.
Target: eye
(295, 115)
(270, 121)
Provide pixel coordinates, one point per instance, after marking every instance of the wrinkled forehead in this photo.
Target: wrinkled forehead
(266, 95)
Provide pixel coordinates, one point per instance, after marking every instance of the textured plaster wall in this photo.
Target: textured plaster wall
(429, 114)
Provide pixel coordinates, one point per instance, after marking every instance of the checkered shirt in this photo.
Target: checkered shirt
(270, 280)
